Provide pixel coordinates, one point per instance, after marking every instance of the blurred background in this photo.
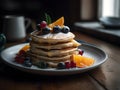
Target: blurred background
(73, 10)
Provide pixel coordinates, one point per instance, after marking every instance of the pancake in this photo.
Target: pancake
(51, 53)
(72, 43)
(52, 38)
(52, 46)
(50, 59)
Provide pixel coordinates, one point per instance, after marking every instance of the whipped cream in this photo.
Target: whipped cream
(59, 35)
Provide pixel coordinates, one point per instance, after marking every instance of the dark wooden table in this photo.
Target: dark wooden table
(105, 77)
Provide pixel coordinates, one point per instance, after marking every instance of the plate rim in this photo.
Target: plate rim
(53, 72)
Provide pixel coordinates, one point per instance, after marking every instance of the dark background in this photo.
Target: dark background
(35, 9)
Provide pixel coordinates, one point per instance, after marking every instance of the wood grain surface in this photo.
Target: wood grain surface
(105, 77)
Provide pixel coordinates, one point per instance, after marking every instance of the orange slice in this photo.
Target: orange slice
(25, 48)
(82, 61)
(59, 22)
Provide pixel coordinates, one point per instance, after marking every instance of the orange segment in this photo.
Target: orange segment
(81, 65)
(25, 48)
(82, 61)
(59, 22)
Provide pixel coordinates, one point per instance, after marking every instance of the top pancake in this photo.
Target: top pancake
(52, 38)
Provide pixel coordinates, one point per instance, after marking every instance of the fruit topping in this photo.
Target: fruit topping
(43, 24)
(25, 48)
(67, 65)
(27, 63)
(72, 64)
(56, 29)
(19, 59)
(59, 22)
(82, 61)
(65, 29)
(46, 30)
(21, 53)
(61, 65)
(22, 59)
(80, 51)
(27, 59)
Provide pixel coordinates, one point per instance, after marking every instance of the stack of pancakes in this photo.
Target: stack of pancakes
(52, 48)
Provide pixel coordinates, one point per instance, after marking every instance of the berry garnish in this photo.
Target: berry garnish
(72, 64)
(67, 65)
(80, 51)
(27, 63)
(43, 24)
(61, 65)
(65, 29)
(19, 59)
(46, 30)
(21, 53)
(25, 48)
(56, 29)
(27, 59)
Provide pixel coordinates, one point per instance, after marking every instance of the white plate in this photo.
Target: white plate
(89, 50)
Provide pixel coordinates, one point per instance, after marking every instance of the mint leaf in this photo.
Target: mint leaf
(48, 18)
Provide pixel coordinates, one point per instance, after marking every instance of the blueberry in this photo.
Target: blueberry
(27, 59)
(61, 65)
(56, 29)
(46, 30)
(27, 63)
(65, 29)
(42, 64)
